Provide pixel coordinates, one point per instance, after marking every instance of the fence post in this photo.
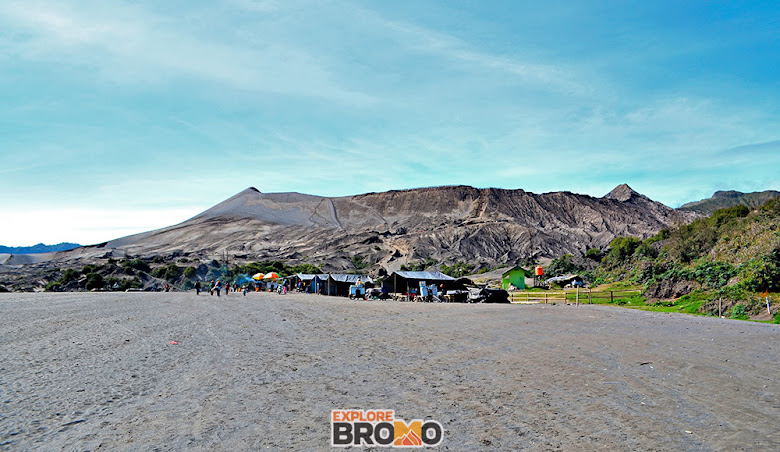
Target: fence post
(589, 299)
(577, 301)
(545, 298)
(611, 297)
(720, 302)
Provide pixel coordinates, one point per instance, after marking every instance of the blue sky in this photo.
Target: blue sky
(121, 117)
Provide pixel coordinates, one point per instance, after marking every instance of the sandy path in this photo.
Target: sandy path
(96, 372)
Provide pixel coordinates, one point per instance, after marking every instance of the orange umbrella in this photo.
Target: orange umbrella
(258, 276)
(272, 275)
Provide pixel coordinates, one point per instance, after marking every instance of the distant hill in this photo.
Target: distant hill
(724, 199)
(39, 248)
(727, 257)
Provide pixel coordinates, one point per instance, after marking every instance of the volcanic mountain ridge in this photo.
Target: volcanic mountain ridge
(451, 224)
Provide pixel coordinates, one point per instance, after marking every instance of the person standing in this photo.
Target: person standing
(211, 288)
(197, 287)
(218, 287)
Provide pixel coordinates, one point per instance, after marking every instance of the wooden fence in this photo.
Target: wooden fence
(583, 296)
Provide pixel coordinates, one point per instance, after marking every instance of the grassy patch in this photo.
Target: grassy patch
(689, 304)
(692, 303)
(630, 300)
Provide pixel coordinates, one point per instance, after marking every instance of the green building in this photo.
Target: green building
(516, 277)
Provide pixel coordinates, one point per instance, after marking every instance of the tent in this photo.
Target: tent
(485, 295)
(565, 280)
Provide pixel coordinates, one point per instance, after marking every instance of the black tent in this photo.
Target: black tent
(485, 295)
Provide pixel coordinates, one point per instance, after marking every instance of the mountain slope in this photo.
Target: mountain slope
(490, 227)
(717, 262)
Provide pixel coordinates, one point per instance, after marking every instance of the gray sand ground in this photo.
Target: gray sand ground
(84, 371)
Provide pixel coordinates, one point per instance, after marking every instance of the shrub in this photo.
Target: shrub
(169, 273)
(136, 264)
(738, 312)
(723, 216)
(652, 271)
(359, 262)
(457, 269)
(714, 274)
(190, 272)
(594, 254)
(663, 234)
(562, 265)
(762, 273)
(771, 207)
(94, 281)
(53, 286)
(620, 250)
(645, 251)
(689, 242)
(68, 276)
(598, 281)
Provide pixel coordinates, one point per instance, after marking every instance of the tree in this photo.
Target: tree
(620, 250)
(562, 265)
(594, 254)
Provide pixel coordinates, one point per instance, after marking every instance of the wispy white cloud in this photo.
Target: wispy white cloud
(128, 44)
(548, 76)
(753, 150)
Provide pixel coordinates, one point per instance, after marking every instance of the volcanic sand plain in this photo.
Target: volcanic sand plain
(97, 371)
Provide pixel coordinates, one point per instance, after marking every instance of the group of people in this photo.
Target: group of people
(217, 286)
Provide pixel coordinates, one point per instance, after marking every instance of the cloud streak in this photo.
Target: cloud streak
(129, 45)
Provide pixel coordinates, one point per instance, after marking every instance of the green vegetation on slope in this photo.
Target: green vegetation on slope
(725, 258)
(723, 199)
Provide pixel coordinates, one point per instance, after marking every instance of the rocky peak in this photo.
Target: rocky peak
(622, 193)
(727, 194)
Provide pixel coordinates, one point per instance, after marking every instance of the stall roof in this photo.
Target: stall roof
(350, 278)
(437, 276)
